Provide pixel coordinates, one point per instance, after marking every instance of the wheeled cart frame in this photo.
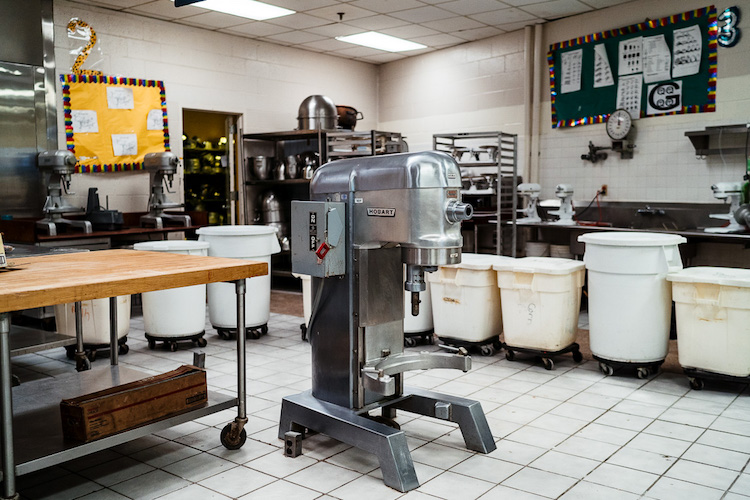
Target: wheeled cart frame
(546, 356)
(642, 369)
(412, 339)
(253, 332)
(486, 347)
(173, 342)
(90, 350)
(303, 411)
(696, 377)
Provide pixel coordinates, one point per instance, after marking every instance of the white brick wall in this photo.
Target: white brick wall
(205, 70)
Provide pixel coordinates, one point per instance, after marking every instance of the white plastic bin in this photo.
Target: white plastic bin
(95, 319)
(712, 306)
(630, 300)
(175, 312)
(540, 298)
(306, 295)
(240, 242)
(466, 299)
(422, 322)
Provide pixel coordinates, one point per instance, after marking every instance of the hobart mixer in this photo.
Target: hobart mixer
(565, 213)
(531, 190)
(161, 168)
(59, 165)
(368, 217)
(732, 192)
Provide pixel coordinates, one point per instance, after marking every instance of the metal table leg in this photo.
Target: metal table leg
(6, 405)
(233, 435)
(82, 362)
(113, 340)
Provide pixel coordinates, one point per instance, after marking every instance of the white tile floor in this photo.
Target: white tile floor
(569, 433)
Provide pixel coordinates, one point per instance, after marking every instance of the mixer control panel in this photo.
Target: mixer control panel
(318, 238)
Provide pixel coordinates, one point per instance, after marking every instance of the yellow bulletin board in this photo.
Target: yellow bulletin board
(111, 123)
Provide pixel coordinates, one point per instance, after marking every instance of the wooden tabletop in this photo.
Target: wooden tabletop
(57, 279)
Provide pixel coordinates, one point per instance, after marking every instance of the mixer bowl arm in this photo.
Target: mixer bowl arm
(378, 378)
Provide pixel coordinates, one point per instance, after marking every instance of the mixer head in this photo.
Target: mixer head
(564, 190)
(531, 189)
(723, 190)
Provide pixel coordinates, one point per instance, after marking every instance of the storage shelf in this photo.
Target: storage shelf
(38, 439)
(701, 139)
(24, 340)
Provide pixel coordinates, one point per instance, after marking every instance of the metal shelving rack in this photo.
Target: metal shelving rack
(506, 162)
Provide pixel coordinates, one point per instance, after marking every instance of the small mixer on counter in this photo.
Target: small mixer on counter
(58, 166)
(530, 190)
(565, 213)
(162, 167)
(731, 191)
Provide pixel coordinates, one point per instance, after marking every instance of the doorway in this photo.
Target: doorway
(210, 152)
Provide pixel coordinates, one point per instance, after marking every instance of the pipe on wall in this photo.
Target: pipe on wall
(538, 75)
(528, 100)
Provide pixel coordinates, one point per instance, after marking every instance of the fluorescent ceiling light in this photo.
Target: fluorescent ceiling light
(250, 9)
(380, 41)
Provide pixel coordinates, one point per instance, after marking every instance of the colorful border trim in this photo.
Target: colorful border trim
(709, 107)
(66, 80)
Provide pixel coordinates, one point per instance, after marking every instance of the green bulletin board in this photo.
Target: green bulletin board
(694, 93)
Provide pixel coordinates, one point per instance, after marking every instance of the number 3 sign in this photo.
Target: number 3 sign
(729, 34)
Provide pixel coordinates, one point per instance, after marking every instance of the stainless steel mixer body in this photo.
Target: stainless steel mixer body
(58, 166)
(162, 167)
(370, 216)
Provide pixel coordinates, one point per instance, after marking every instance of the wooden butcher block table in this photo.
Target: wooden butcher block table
(30, 427)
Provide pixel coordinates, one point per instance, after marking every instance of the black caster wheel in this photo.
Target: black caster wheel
(487, 350)
(123, 349)
(253, 333)
(173, 346)
(303, 331)
(91, 355)
(151, 344)
(201, 342)
(410, 342)
(232, 445)
(548, 363)
(264, 330)
(16, 380)
(70, 353)
(431, 339)
(83, 364)
(510, 355)
(223, 335)
(606, 369)
(497, 345)
(577, 356)
(696, 383)
(642, 372)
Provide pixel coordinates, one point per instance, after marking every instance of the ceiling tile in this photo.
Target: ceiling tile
(519, 25)
(519, 3)
(303, 5)
(454, 24)
(298, 21)
(257, 29)
(328, 45)
(387, 6)
(376, 23)
(557, 8)
(356, 51)
(387, 57)
(166, 10)
(423, 14)
(505, 16)
(335, 29)
(467, 7)
(441, 40)
(114, 4)
(332, 13)
(602, 4)
(479, 33)
(410, 31)
(296, 37)
(212, 20)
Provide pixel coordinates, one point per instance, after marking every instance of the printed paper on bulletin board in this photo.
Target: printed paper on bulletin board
(598, 94)
(112, 123)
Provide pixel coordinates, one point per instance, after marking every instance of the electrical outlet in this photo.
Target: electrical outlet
(603, 190)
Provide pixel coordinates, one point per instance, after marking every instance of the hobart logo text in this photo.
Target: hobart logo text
(381, 212)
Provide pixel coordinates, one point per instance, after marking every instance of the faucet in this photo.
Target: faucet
(650, 211)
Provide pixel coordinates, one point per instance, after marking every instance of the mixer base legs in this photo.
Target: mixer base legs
(302, 411)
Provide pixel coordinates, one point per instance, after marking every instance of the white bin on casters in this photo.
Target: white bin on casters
(712, 306)
(95, 323)
(419, 327)
(466, 303)
(241, 242)
(630, 300)
(175, 314)
(540, 299)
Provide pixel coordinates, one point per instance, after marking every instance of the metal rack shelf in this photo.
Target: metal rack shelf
(502, 150)
(701, 139)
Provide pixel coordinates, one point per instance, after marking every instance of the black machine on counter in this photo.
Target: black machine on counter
(58, 166)
(368, 217)
(102, 219)
(161, 168)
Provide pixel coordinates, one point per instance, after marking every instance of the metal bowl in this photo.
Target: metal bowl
(317, 112)
(261, 167)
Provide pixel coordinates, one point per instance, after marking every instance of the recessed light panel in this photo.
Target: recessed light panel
(379, 41)
(249, 9)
